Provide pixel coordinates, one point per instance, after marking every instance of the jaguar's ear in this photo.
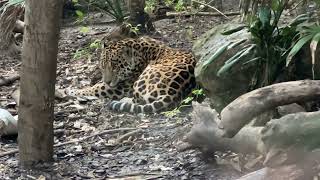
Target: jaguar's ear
(103, 44)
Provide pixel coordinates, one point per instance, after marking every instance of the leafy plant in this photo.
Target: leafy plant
(86, 51)
(133, 29)
(195, 94)
(150, 5)
(179, 6)
(114, 8)
(271, 43)
(308, 34)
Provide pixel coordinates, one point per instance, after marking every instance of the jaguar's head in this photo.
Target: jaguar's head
(116, 64)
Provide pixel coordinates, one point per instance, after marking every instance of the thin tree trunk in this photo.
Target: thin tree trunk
(39, 63)
(138, 23)
(138, 17)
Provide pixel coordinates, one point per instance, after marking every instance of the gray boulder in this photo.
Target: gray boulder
(224, 89)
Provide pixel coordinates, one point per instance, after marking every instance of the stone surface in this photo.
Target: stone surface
(222, 90)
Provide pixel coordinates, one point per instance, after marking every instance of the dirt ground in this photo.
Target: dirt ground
(148, 149)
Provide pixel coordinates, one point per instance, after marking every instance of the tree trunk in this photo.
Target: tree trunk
(39, 64)
(138, 23)
(138, 17)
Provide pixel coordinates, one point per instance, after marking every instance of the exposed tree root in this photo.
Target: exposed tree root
(242, 110)
(207, 136)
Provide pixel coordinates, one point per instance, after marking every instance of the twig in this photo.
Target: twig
(6, 81)
(295, 7)
(64, 104)
(93, 135)
(121, 138)
(157, 175)
(185, 13)
(67, 111)
(75, 141)
(212, 8)
(9, 152)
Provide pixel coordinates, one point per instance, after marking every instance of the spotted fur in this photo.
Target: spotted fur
(156, 76)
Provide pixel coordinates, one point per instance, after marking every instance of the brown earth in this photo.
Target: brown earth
(149, 153)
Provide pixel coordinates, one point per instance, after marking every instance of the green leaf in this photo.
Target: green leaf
(313, 47)
(79, 13)
(275, 5)
(228, 66)
(234, 30)
(252, 60)
(220, 51)
(235, 44)
(237, 55)
(296, 48)
(84, 29)
(95, 45)
(265, 16)
(299, 19)
(198, 92)
(187, 100)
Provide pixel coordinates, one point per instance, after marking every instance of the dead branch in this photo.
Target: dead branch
(185, 13)
(75, 141)
(121, 138)
(206, 135)
(9, 80)
(242, 110)
(9, 152)
(221, 13)
(93, 135)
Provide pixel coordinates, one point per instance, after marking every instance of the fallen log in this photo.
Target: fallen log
(291, 138)
(204, 4)
(243, 109)
(206, 135)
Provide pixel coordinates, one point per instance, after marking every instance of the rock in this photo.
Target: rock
(222, 90)
(8, 124)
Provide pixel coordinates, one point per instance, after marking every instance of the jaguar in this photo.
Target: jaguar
(155, 75)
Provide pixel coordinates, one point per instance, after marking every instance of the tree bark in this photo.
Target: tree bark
(39, 64)
(138, 23)
(138, 17)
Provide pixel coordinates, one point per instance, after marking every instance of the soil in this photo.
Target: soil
(147, 153)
